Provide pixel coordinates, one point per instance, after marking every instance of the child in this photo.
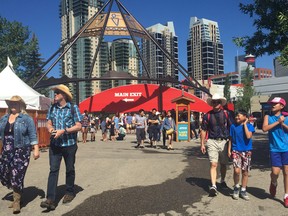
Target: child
(241, 144)
(122, 132)
(277, 126)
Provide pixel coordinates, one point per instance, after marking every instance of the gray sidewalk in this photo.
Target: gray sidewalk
(114, 178)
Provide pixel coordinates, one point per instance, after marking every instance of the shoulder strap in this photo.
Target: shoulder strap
(226, 114)
(72, 109)
(208, 119)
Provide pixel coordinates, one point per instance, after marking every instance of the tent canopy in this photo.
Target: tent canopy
(132, 98)
(11, 84)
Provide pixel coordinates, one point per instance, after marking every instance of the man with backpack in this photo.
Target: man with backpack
(63, 123)
(215, 132)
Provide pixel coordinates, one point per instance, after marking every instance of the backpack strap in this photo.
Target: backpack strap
(208, 119)
(72, 109)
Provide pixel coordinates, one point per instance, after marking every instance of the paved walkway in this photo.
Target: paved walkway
(114, 178)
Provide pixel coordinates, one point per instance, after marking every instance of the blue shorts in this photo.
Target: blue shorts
(279, 159)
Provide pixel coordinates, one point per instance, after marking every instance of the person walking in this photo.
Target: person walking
(215, 132)
(92, 129)
(63, 123)
(277, 126)
(240, 150)
(170, 129)
(85, 126)
(153, 122)
(18, 137)
(194, 134)
(163, 130)
(141, 126)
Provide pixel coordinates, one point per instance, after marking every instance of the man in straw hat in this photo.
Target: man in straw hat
(64, 121)
(215, 131)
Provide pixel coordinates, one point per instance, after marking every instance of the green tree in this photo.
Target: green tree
(245, 94)
(14, 41)
(23, 50)
(227, 93)
(33, 63)
(271, 23)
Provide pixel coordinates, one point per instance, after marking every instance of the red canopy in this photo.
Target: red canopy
(132, 98)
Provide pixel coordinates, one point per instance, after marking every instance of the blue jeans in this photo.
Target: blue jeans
(55, 156)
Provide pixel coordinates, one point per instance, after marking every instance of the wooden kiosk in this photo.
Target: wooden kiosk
(183, 125)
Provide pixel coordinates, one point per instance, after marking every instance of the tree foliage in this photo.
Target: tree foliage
(227, 93)
(271, 23)
(245, 94)
(23, 50)
(14, 41)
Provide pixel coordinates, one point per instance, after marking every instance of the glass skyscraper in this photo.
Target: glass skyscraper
(205, 56)
(78, 60)
(158, 65)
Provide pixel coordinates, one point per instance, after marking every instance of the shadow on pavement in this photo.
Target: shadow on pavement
(62, 189)
(28, 195)
(187, 188)
(172, 194)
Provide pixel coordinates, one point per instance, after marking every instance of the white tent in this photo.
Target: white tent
(11, 84)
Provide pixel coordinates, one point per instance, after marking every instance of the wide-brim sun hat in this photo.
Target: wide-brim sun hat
(216, 97)
(17, 99)
(65, 90)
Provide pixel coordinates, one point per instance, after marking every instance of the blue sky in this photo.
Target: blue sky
(42, 18)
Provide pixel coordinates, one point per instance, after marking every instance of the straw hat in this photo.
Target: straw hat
(65, 90)
(216, 97)
(16, 98)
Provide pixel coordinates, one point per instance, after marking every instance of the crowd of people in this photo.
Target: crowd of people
(223, 135)
(116, 127)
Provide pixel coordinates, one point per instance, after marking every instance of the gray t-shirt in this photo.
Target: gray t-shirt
(142, 120)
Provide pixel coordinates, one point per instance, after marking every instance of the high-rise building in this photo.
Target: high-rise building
(204, 49)
(279, 69)
(78, 60)
(124, 58)
(159, 66)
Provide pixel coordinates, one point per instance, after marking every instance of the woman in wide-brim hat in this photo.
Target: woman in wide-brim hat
(17, 136)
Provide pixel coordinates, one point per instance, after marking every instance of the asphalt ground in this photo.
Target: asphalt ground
(115, 178)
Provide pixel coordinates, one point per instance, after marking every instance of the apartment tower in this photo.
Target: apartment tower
(78, 60)
(123, 58)
(204, 49)
(158, 65)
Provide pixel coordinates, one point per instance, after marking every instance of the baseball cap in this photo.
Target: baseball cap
(277, 100)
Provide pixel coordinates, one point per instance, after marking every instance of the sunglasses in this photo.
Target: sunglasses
(57, 92)
(216, 101)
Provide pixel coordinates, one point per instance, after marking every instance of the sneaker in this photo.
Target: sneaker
(236, 193)
(141, 146)
(244, 195)
(272, 189)
(67, 198)
(286, 202)
(49, 204)
(138, 145)
(213, 191)
(223, 185)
